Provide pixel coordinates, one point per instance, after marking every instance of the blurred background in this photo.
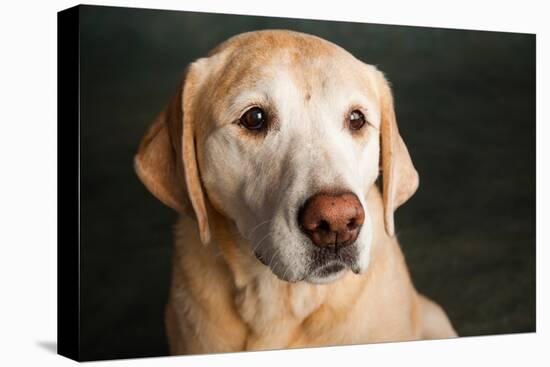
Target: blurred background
(465, 103)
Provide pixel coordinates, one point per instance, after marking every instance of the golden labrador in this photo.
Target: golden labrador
(270, 151)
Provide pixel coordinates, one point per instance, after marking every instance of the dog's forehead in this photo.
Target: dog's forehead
(255, 59)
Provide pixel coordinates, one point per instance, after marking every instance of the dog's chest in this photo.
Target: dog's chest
(274, 310)
(281, 315)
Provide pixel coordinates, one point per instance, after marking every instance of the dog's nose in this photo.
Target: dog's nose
(332, 219)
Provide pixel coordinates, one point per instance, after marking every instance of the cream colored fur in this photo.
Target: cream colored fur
(239, 193)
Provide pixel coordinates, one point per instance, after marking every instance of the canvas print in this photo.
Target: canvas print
(258, 183)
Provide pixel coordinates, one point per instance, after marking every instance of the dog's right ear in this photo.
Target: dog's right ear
(166, 160)
(399, 177)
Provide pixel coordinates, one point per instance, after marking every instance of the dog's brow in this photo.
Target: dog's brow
(246, 99)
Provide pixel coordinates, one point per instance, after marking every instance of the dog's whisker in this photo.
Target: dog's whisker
(257, 246)
(284, 274)
(273, 257)
(276, 264)
(256, 227)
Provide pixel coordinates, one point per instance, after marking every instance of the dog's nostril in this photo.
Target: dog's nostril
(352, 224)
(323, 226)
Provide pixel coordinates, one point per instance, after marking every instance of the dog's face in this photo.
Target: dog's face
(294, 122)
(282, 133)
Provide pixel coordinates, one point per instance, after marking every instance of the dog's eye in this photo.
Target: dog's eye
(356, 120)
(254, 119)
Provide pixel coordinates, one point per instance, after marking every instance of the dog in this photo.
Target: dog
(282, 155)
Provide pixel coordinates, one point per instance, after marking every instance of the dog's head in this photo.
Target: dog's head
(284, 134)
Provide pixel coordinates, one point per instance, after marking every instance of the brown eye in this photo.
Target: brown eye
(254, 119)
(356, 120)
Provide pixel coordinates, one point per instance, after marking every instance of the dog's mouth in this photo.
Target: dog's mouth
(326, 264)
(260, 258)
(329, 272)
(329, 269)
(328, 256)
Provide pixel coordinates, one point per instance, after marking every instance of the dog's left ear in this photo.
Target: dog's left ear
(166, 161)
(399, 177)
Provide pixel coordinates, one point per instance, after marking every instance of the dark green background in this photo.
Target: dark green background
(465, 102)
